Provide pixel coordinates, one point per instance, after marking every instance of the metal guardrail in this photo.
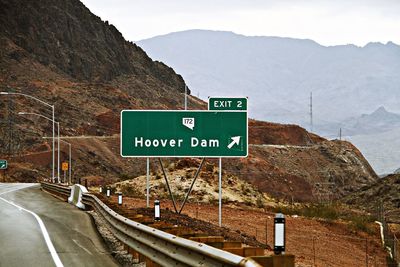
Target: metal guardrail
(158, 246)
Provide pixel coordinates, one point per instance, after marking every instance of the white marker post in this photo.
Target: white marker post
(120, 198)
(108, 192)
(156, 210)
(220, 193)
(279, 234)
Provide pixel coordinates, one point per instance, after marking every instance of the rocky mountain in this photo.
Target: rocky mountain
(278, 74)
(60, 52)
(52, 33)
(379, 121)
(380, 149)
(383, 192)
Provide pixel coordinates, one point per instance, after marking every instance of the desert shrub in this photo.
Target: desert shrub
(202, 192)
(171, 167)
(209, 167)
(362, 223)
(130, 191)
(225, 199)
(124, 176)
(330, 212)
(163, 186)
(324, 211)
(260, 202)
(248, 202)
(212, 199)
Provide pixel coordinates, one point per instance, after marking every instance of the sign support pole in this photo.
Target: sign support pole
(147, 183)
(167, 183)
(191, 186)
(220, 193)
(70, 166)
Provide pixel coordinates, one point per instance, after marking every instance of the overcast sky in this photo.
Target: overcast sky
(328, 22)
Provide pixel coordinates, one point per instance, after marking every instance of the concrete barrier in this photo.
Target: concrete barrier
(75, 198)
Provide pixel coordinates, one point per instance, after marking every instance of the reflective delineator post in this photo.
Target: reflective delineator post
(119, 198)
(108, 192)
(156, 210)
(279, 234)
(101, 189)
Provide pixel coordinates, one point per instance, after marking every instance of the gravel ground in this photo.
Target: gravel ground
(115, 246)
(313, 242)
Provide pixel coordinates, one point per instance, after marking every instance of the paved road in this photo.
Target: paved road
(27, 213)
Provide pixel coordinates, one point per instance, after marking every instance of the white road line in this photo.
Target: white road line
(46, 236)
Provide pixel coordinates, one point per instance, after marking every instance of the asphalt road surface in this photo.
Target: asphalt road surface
(37, 229)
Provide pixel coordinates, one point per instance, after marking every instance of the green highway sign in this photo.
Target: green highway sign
(180, 133)
(227, 103)
(3, 164)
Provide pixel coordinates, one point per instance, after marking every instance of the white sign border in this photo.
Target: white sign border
(230, 110)
(185, 156)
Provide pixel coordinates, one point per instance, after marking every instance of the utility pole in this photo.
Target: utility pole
(340, 134)
(185, 97)
(311, 113)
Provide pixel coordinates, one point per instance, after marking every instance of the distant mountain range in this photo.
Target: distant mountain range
(278, 75)
(377, 122)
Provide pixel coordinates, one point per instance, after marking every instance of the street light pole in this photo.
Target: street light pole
(58, 141)
(52, 107)
(58, 150)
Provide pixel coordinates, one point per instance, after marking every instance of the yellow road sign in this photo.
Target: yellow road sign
(64, 166)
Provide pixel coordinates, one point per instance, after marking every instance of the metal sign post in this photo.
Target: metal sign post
(220, 193)
(64, 167)
(148, 183)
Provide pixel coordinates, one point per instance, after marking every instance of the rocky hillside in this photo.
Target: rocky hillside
(383, 192)
(67, 37)
(62, 53)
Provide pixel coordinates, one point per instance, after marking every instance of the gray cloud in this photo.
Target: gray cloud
(326, 21)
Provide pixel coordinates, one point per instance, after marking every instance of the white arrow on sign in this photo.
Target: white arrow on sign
(235, 141)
